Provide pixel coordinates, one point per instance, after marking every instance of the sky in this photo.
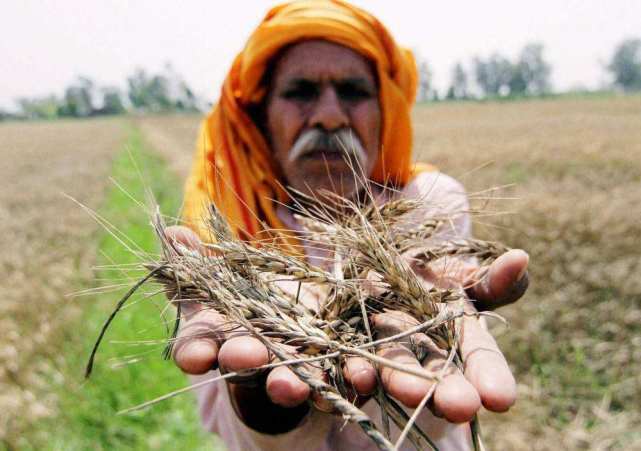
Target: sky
(46, 44)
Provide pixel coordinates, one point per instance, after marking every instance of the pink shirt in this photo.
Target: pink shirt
(321, 431)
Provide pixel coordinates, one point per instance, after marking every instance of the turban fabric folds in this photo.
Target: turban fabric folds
(233, 167)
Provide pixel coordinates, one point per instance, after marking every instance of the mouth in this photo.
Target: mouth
(323, 155)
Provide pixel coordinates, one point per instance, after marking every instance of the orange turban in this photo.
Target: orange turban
(233, 166)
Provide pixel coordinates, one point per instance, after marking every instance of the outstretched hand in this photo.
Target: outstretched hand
(486, 379)
(277, 399)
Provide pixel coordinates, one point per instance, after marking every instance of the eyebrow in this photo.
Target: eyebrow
(296, 82)
(360, 82)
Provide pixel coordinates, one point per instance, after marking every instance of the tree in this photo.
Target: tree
(531, 73)
(39, 108)
(518, 83)
(162, 92)
(149, 93)
(183, 97)
(137, 85)
(528, 75)
(79, 99)
(458, 88)
(493, 76)
(186, 99)
(424, 81)
(625, 65)
(8, 115)
(111, 101)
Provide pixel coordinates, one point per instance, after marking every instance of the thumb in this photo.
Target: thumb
(504, 282)
(178, 236)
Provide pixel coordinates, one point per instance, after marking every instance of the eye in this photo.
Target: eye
(302, 91)
(353, 91)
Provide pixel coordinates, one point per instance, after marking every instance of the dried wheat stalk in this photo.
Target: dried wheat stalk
(367, 242)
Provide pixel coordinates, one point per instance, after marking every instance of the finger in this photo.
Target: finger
(197, 341)
(485, 367)
(504, 282)
(407, 388)
(360, 374)
(456, 399)
(391, 322)
(285, 388)
(242, 353)
(181, 236)
(184, 236)
(446, 272)
(320, 403)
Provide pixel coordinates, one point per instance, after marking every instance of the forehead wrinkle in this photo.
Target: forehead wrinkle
(302, 62)
(334, 80)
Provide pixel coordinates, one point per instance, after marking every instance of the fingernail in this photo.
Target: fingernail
(523, 270)
(357, 379)
(197, 347)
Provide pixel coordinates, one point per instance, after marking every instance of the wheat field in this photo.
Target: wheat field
(575, 339)
(569, 173)
(48, 247)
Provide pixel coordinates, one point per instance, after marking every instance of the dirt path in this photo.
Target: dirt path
(174, 138)
(47, 250)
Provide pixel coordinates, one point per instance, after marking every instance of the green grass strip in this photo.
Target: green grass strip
(88, 419)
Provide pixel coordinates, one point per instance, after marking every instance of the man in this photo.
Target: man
(315, 80)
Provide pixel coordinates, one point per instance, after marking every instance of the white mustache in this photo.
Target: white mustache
(344, 141)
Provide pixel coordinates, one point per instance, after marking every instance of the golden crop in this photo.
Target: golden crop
(47, 248)
(570, 172)
(573, 167)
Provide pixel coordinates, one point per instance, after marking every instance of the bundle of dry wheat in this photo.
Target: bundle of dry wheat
(367, 275)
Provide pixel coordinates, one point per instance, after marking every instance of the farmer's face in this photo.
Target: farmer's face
(322, 109)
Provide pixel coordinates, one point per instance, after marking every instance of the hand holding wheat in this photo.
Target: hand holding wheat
(202, 345)
(390, 326)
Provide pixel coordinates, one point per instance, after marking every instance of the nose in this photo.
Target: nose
(328, 112)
